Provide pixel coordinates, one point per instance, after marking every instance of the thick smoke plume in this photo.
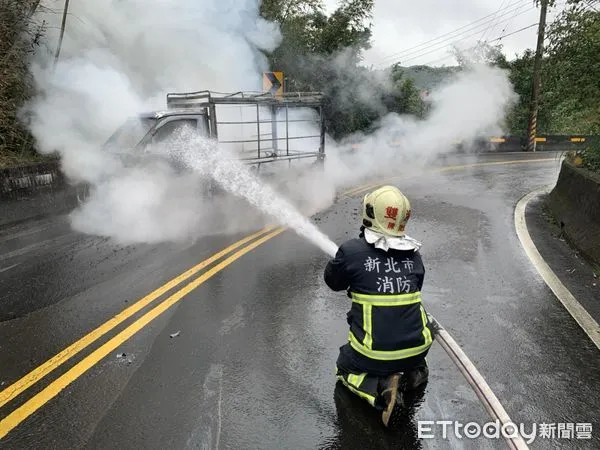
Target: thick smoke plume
(468, 107)
(121, 58)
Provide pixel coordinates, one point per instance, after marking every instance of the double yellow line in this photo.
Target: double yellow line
(235, 251)
(53, 389)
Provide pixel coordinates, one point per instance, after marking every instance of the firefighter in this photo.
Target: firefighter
(382, 272)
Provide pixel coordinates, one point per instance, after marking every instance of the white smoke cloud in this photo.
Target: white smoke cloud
(472, 105)
(121, 58)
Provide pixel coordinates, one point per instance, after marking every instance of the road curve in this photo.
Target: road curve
(244, 357)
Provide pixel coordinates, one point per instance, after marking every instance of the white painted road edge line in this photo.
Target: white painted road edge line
(578, 312)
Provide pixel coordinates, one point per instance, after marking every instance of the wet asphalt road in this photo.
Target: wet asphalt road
(253, 365)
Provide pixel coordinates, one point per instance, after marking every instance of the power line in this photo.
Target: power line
(441, 45)
(509, 22)
(490, 26)
(514, 32)
(469, 25)
(452, 34)
(496, 39)
(493, 40)
(590, 5)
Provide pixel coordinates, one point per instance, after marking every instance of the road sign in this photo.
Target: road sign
(273, 82)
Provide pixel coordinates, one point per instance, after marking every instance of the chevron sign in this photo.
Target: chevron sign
(273, 82)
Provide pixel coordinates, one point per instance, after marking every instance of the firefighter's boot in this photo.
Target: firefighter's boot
(390, 396)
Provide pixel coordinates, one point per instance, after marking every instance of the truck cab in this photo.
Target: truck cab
(139, 134)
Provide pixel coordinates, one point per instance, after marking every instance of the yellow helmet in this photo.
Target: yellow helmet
(386, 210)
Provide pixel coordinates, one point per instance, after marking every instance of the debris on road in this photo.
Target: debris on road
(126, 359)
(174, 335)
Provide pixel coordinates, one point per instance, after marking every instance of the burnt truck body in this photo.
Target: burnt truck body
(259, 129)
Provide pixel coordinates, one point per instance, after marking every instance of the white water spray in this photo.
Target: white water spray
(205, 157)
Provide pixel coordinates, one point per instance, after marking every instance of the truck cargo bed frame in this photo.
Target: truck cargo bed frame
(209, 100)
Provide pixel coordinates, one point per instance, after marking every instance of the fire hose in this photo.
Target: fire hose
(479, 385)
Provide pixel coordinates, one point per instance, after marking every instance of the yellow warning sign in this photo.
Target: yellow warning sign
(273, 82)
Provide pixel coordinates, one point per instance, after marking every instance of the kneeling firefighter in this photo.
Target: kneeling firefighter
(390, 333)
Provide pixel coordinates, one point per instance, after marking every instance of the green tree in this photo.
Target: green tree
(283, 10)
(309, 35)
(521, 77)
(346, 28)
(405, 97)
(321, 52)
(572, 75)
(569, 79)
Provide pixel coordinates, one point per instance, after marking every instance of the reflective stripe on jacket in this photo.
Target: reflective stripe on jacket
(387, 319)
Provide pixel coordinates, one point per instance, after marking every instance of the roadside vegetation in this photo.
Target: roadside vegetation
(591, 158)
(19, 37)
(323, 52)
(570, 102)
(588, 158)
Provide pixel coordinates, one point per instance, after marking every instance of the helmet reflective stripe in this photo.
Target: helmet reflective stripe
(386, 210)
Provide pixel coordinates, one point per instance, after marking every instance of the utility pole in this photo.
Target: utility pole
(62, 31)
(537, 67)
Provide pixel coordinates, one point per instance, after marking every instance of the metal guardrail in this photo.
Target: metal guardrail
(543, 142)
(517, 143)
(549, 138)
(15, 181)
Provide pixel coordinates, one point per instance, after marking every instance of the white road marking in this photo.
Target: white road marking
(8, 234)
(219, 414)
(29, 248)
(6, 269)
(579, 313)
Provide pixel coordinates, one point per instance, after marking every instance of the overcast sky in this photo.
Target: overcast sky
(401, 25)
